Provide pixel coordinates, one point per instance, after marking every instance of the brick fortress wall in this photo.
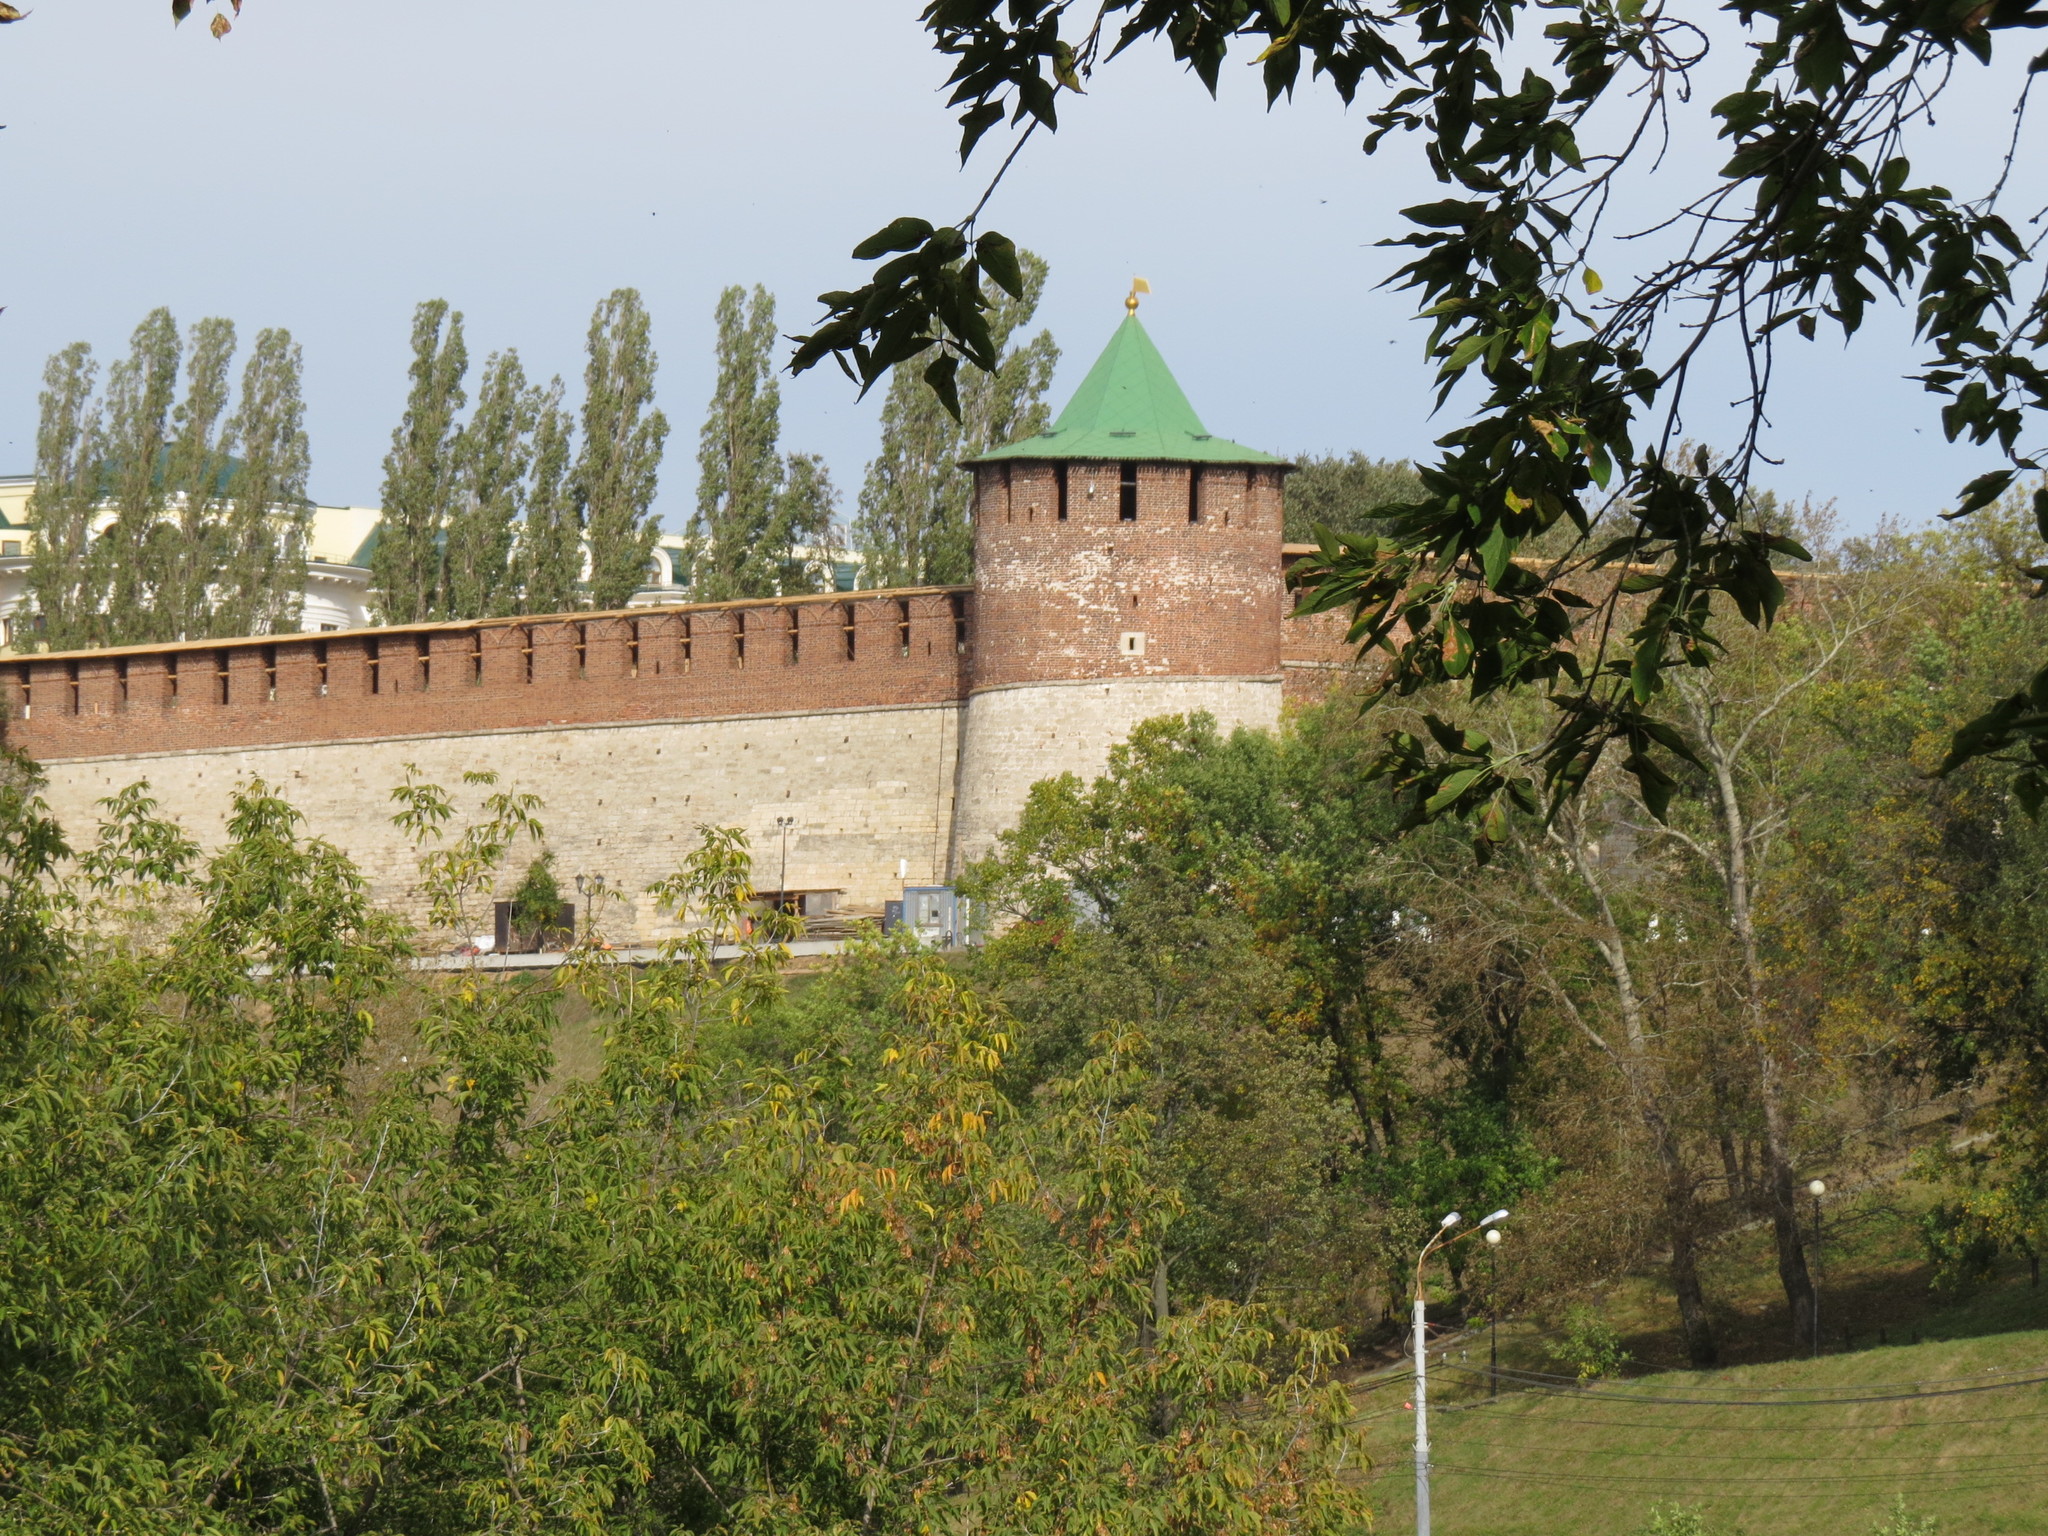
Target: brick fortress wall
(696, 662)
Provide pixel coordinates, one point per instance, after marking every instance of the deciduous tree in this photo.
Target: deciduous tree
(70, 461)
(915, 524)
(261, 581)
(493, 454)
(419, 472)
(620, 459)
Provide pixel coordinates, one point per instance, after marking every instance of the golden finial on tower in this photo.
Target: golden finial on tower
(1138, 286)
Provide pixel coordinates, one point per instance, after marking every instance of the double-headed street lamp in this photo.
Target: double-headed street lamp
(1441, 1238)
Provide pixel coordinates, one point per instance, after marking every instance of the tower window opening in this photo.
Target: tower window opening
(423, 648)
(959, 624)
(739, 637)
(686, 642)
(526, 650)
(795, 637)
(71, 679)
(476, 656)
(220, 674)
(1059, 480)
(320, 668)
(582, 650)
(1127, 494)
(170, 674)
(846, 627)
(1194, 493)
(632, 647)
(121, 678)
(903, 624)
(269, 673)
(372, 658)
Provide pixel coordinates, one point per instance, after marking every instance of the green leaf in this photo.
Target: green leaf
(1982, 491)
(939, 374)
(905, 234)
(998, 257)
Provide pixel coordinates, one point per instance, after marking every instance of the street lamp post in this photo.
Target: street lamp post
(1493, 1311)
(1441, 1238)
(1816, 1189)
(782, 825)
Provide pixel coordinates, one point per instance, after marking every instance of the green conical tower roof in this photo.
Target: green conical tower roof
(1129, 407)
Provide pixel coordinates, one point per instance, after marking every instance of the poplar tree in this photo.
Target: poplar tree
(492, 456)
(141, 390)
(261, 579)
(185, 548)
(620, 462)
(419, 471)
(799, 541)
(764, 521)
(69, 458)
(914, 526)
(548, 564)
(739, 471)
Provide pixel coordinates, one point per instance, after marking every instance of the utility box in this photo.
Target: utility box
(932, 912)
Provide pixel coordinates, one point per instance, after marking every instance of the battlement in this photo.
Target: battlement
(694, 661)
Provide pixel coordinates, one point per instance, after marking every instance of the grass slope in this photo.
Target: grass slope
(1770, 1449)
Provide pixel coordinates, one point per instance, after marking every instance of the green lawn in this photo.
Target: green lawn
(1592, 1462)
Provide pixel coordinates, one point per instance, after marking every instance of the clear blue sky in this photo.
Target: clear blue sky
(329, 164)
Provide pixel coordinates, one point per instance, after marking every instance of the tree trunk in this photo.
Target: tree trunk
(1793, 1274)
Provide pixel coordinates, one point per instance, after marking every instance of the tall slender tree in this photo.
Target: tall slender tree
(620, 462)
(141, 390)
(261, 581)
(492, 456)
(69, 459)
(739, 470)
(914, 526)
(185, 547)
(801, 537)
(548, 563)
(419, 471)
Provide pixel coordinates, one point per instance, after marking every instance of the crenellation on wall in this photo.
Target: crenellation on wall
(702, 661)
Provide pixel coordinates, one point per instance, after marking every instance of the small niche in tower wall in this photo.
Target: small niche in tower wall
(1127, 494)
(1194, 494)
(1059, 480)
(1131, 643)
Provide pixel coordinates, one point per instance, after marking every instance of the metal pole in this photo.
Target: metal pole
(1816, 1277)
(1492, 1321)
(1421, 1415)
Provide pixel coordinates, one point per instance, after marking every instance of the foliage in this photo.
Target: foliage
(1342, 491)
(294, 1240)
(419, 472)
(620, 460)
(915, 524)
(492, 453)
(1900, 1521)
(162, 517)
(756, 508)
(1577, 385)
(1588, 1346)
(1675, 1520)
(547, 561)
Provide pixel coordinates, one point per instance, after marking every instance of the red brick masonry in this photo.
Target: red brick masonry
(705, 660)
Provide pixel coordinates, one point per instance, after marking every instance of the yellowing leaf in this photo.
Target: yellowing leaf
(1592, 281)
(9, 13)
(220, 25)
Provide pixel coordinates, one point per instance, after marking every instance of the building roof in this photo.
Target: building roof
(1129, 407)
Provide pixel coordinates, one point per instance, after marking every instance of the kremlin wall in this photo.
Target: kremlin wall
(1128, 564)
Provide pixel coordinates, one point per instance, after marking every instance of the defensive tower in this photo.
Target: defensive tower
(1127, 563)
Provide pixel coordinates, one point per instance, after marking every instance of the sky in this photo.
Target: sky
(328, 165)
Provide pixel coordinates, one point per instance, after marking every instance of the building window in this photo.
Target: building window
(846, 623)
(959, 624)
(1059, 478)
(1194, 493)
(476, 656)
(903, 624)
(9, 547)
(795, 638)
(739, 637)
(1127, 494)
